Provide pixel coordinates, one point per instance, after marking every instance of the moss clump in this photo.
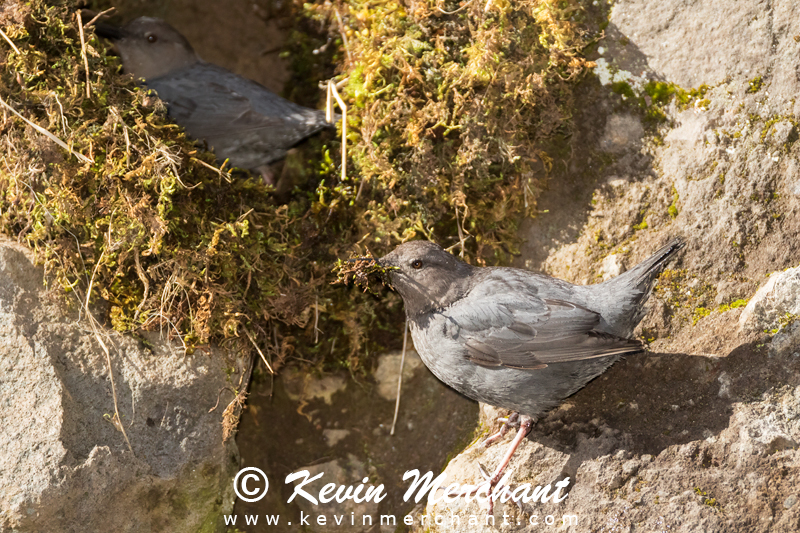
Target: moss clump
(361, 271)
(754, 85)
(673, 208)
(699, 313)
(169, 242)
(449, 116)
(658, 94)
(736, 304)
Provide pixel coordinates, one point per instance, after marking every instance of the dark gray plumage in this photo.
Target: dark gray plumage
(512, 338)
(242, 120)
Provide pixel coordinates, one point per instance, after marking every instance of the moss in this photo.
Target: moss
(447, 137)
(673, 208)
(755, 85)
(736, 304)
(623, 89)
(673, 211)
(783, 322)
(641, 225)
(685, 294)
(699, 312)
(707, 501)
(659, 94)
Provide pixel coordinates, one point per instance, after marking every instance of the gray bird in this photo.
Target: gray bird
(242, 120)
(516, 339)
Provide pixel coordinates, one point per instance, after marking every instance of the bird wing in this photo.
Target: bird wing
(517, 329)
(232, 112)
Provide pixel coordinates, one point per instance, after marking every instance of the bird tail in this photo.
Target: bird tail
(643, 276)
(632, 288)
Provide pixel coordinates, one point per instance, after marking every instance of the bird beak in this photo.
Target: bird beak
(108, 31)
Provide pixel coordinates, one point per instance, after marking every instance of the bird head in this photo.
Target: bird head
(150, 48)
(426, 276)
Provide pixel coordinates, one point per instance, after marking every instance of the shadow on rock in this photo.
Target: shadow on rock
(649, 402)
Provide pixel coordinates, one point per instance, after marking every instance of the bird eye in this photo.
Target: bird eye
(416, 264)
(152, 38)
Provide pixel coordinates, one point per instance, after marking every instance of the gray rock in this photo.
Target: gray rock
(350, 514)
(64, 466)
(389, 367)
(779, 296)
(718, 407)
(623, 132)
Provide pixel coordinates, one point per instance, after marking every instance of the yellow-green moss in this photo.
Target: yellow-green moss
(673, 208)
(699, 312)
(736, 304)
(447, 127)
(755, 84)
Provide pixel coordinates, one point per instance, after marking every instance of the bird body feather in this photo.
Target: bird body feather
(516, 339)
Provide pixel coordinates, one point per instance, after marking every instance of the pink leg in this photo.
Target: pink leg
(525, 425)
(511, 421)
(524, 428)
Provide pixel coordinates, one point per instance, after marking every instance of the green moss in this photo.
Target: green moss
(445, 138)
(640, 226)
(736, 304)
(673, 208)
(660, 94)
(685, 294)
(755, 85)
(783, 322)
(710, 502)
(699, 313)
(624, 89)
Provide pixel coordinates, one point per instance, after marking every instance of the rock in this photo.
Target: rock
(342, 473)
(389, 368)
(64, 465)
(787, 341)
(622, 132)
(333, 436)
(611, 267)
(303, 387)
(779, 296)
(782, 133)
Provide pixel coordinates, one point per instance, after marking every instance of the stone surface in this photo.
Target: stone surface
(389, 368)
(702, 432)
(346, 435)
(65, 466)
(341, 472)
(779, 296)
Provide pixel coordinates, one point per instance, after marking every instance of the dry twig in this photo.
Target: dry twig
(10, 42)
(400, 377)
(334, 94)
(101, 14)
(47, 134)
(255, 345)
(83, 54)
(116, 420)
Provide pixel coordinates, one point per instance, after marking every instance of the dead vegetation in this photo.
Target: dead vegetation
(449, 122)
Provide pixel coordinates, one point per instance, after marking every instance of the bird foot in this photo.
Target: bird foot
(525, 424)
(513, 420)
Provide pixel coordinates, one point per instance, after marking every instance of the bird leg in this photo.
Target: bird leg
(267, 175)
(525, 424)
(511, 421)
